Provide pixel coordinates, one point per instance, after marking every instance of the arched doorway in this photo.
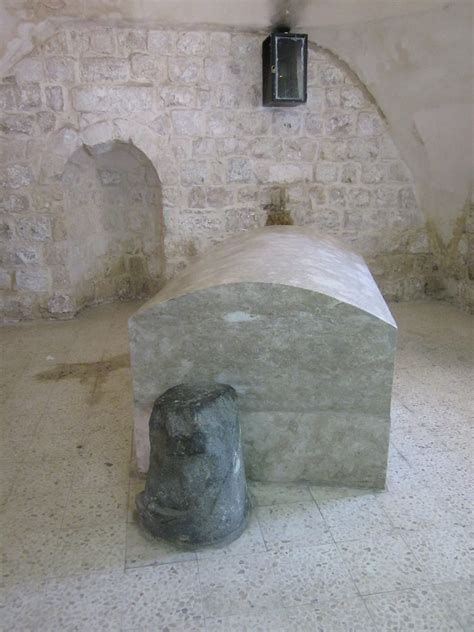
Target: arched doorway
(114, 223)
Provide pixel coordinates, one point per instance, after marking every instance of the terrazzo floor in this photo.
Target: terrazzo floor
(313, 559)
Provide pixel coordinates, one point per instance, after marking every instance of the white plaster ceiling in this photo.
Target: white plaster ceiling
(255, 14)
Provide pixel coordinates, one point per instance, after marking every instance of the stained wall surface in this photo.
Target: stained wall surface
(191, 102)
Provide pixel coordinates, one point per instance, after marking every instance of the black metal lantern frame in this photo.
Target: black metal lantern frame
(285, 69)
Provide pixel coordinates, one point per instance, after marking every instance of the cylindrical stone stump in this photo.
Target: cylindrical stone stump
(196, 492)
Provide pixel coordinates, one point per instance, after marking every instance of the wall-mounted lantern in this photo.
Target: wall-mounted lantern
(285, 68)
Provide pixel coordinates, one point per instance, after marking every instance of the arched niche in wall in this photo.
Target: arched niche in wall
(113, 223)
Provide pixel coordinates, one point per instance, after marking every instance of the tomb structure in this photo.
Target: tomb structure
(294, 321)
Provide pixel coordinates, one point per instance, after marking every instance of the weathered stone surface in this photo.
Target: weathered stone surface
(60, 304)
(14, 203)
(352, 98)
(195, 491)
(327, 172)
(330, 75)
(35, 228)
(29, 69)
(149, 67)
(290, 173)
(17, 124)
(116, 99)
(239, 170)
(104, 69)
(188, 122)
(286, 123)
(60, 69)
(313, 124)
(369, 124)
(192, 43)
(56, 45)
(7, 98)
(16, 176)
(46, 121)
(184, 70)
(29, 97)
(162, 42)
(5, 280)
(131, 41)
(54, 98)
(178, 95)
(95, 40)
(295, 323)
(38, 281)
(340, 124)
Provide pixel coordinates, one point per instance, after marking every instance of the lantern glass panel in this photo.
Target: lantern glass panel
(289, 68)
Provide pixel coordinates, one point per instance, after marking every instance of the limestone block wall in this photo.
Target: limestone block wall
(191, 103)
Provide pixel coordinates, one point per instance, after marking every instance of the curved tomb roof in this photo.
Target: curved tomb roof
(293, 256)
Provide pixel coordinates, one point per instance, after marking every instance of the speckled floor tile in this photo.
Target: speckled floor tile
(55, 447)
(452, 468)
(37, 514)
(18, 422)
(292, 526)
(144, 550)
(44, 478)
(460, 504)
(30, 555)
(312, 575)
(90, 508)
(446, 554)
(406, 610)
(400, 475)
(238, 584)
(96, 473)
(335, 616)
(92, 549)
(56, 422)
(351, 514)
(162, 597)
(23, 612)
(412, 433)
(265, 494)
(109, 416)
(248, 543)
(382, 564)
(115, 447)
(13, 446)
(458, 597)
(419, 508)
(72, 604)
(263, 621)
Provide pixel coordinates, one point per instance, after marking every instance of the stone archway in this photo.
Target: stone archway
(112, 214)
(113, 223)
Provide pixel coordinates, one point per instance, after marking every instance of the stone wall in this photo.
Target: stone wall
(190, 101)
(454, 281)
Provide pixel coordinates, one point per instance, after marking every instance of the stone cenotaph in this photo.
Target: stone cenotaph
(295, 323)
